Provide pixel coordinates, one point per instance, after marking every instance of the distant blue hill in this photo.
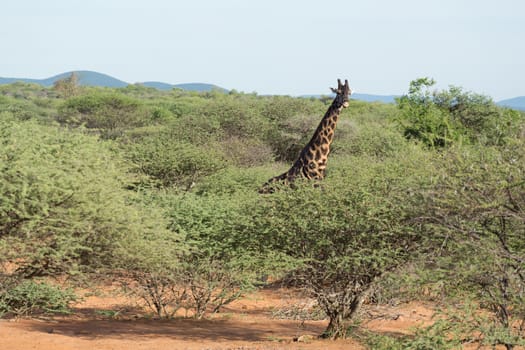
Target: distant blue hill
(90, 78)
(515, 103)
(202, 87)
(85, 78)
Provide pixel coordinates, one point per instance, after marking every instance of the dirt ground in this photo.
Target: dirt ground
(107, 322)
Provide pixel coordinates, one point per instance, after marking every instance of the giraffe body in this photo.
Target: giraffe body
(311, 163)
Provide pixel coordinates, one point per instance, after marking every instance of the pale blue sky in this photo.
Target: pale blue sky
(272, 46)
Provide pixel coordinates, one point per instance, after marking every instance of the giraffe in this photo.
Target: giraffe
(311, 163)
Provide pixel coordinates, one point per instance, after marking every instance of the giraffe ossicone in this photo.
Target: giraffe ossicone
(311, 163)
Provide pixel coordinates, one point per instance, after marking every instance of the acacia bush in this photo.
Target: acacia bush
(364, 113)
(244, 152)
(291, 135)
(236, 117)
(421, 119)
(225, 255)
(279, 108)
(483, 238)
(161, 290)
(346, 235)
(27, 297)
(484, 122)
(32, 107)
(106, 112)
(445, 118)
(63, 203)
(172, 163)
(233, 180)
(371, 139)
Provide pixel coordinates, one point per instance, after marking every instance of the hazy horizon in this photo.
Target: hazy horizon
(272, 47)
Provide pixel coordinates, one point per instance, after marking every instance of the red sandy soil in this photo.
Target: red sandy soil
(247, 324)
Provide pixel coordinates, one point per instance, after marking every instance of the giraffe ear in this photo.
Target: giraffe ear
(333, 90)
(347, 89)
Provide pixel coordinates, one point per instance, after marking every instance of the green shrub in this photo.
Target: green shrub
(368, 140)
(245, 152)
(225, 256)
(444, 118)
(20, 109)
(63, 203)
(478, 209)
(231, 180)
(172, 163)
(110, 113)
(26, 91)
(459, 325)
(161, 291)
(483, 120)
(362, 112)
(290, 136)
(161, 113)
(346, 235)
(195, 129)
(236, 118)
(30, 297)
(421, 119)
(436, 336)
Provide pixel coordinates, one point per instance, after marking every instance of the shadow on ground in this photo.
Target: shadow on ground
(182, 329)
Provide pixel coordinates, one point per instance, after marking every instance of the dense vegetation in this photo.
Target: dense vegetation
(160, 189)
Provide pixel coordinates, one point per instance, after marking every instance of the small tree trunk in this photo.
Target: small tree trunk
(336, 328)
(340, 319)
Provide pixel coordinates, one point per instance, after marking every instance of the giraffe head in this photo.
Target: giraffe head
(342, 94)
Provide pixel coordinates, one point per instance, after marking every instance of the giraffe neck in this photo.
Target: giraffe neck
(312, 161)
(324, 134)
